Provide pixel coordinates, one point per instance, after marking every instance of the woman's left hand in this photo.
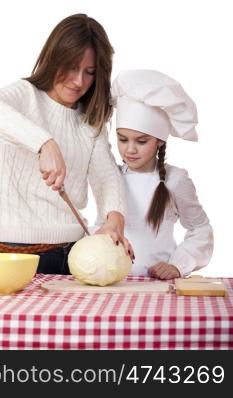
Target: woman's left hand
(114, 226)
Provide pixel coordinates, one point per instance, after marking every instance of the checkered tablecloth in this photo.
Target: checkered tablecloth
(36, 319)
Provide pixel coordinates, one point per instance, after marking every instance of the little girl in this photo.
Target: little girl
(149, 107)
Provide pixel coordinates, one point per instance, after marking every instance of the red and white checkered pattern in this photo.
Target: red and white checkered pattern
(36, 319)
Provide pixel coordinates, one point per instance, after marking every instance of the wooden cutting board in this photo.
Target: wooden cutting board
(199, 286)
(121, 287)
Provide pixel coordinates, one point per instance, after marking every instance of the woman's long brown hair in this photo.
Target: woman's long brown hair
(161, 197)
(64, 49)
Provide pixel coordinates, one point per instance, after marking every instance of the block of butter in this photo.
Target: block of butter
(200, 286)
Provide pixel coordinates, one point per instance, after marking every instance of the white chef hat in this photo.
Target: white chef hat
(153, 103)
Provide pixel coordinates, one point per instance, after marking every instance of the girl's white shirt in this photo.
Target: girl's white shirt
(151, 248)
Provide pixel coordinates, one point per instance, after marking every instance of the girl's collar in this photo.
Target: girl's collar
(126, 170)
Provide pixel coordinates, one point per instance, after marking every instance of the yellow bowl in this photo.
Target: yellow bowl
(16, 271)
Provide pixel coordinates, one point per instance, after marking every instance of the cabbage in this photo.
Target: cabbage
(96, 260)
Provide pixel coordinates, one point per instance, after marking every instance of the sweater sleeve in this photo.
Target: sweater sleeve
(196, 250)
(105, 179)
(15, 128)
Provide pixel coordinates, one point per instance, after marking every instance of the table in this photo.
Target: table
(36, 319)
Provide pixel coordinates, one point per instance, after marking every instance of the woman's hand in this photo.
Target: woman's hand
(52, 165)
(114, 226)
(163, 271)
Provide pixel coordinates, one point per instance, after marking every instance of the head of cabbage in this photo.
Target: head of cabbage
(96, 260)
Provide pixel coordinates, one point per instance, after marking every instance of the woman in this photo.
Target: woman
(53, 132)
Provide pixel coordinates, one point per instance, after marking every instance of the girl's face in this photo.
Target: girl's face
(76, 83)
(137, 149)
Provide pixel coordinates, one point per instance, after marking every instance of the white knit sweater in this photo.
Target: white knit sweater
(30, 211)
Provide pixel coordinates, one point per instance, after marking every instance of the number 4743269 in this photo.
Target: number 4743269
(175, 374)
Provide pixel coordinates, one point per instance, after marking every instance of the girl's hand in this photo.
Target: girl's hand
(52, 165)
(163, 271)
(114, 226)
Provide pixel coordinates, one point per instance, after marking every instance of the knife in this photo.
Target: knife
(66, 198)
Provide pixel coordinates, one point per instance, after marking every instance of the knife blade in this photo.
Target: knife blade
(66, 198)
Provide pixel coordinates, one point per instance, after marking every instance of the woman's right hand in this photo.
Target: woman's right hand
(52, 165)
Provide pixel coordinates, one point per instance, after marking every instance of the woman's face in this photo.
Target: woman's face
(77, 81)
(137, 149)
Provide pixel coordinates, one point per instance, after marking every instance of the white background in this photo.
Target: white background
(191, 41)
